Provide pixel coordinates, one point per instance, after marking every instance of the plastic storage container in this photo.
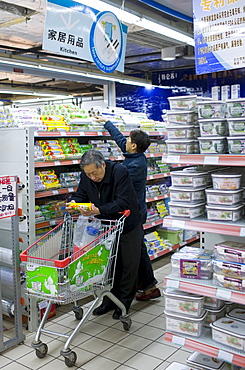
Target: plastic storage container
(186, 146)
(237, 314)
(229, 332)
(184, 303)
(236, 144)
(182, 117)
(192, 265)
(236, 126)
(224, 213)
(186, 325)
(174, 235)
(185, 102)
(178, 194)
(211, 109)
(189, 210)
(232, 269)
(193, 179)
(213, 127)
(212, 145)
(182, 132)
(230, 251)
(213, 303)
(205, 362)
(229, 283)
(235, 107)
(224, 197)
(213, 315)
(226, 181)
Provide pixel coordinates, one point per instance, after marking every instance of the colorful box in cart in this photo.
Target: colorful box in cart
(53, 282)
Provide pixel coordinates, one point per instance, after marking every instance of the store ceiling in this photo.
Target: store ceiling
(21, 31)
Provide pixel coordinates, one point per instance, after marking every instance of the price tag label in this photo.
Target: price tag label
(151, 177)
(178, 223)
(174, 284)
(75, 161)
(223, 294)
(81, 133)
(52, 223)
(155, 198)
(70, 190)
(242, 231)
(173, 159)
(57, 163)
(55, 192)
(178, 340)
(225, 356)
(63, 133)
(211, 160)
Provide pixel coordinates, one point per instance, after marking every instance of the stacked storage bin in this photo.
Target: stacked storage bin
(236, 124)
(229, 265)
(184, 312)
(182, 126)
(213, 127)
(224, 200)
(187, 193)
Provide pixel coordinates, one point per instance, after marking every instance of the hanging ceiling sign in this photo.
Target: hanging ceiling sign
(219, 31)
(7, 196)
(76, 30)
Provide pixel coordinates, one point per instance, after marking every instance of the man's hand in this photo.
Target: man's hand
(93, 212)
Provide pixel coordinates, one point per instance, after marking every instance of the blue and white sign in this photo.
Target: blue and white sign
(219, 31)
(76, 30)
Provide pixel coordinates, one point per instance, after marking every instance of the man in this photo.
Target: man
(108, 186)
(135, 161)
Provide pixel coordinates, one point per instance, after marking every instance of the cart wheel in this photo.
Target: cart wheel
(78, 311)
(127, 324)
(71, 359)
(42, 350)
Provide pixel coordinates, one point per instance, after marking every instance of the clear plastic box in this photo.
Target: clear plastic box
(188, 210)
(178, 194)
(180, 302)
(213, 127)
(192, 265)
(224, 197)
(186, 325)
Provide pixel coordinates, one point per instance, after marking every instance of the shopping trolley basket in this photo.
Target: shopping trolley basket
(57, 273)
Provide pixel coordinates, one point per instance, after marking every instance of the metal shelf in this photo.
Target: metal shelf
(204, 159)
(207, 346)
(173, 248)
(158, 197)
(202, 224)
(206, 287)
(88, 133)
(69, 162)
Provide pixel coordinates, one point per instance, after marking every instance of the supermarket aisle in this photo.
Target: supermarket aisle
(103, 344)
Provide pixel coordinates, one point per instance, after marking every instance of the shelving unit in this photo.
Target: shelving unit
(207, 346)
(173, 248)
(211, 232)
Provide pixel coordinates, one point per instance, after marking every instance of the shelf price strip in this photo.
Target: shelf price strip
(223, 294)
(225, 356)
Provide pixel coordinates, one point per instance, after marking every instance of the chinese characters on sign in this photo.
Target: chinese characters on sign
(219, 30)
(65, 38)
(7, 196)
(74, 29)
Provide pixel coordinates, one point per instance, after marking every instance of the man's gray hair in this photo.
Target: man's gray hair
(92, 156)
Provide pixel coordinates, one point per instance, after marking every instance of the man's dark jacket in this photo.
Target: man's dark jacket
(115, 193)
(136, 164)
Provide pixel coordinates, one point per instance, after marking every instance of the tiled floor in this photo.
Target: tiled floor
(102, 342)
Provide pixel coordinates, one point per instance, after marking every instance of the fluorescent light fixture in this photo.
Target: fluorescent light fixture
(72, 72)
(32, 93)
(130, 18)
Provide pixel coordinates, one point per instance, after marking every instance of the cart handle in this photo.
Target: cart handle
(125, 213)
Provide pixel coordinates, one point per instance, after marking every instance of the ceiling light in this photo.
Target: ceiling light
(32, 93)
(168, 54)
(130, 18)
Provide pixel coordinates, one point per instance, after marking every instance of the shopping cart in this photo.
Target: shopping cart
(58, 274)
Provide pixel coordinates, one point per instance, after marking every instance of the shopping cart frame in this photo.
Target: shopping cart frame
(99, 290)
